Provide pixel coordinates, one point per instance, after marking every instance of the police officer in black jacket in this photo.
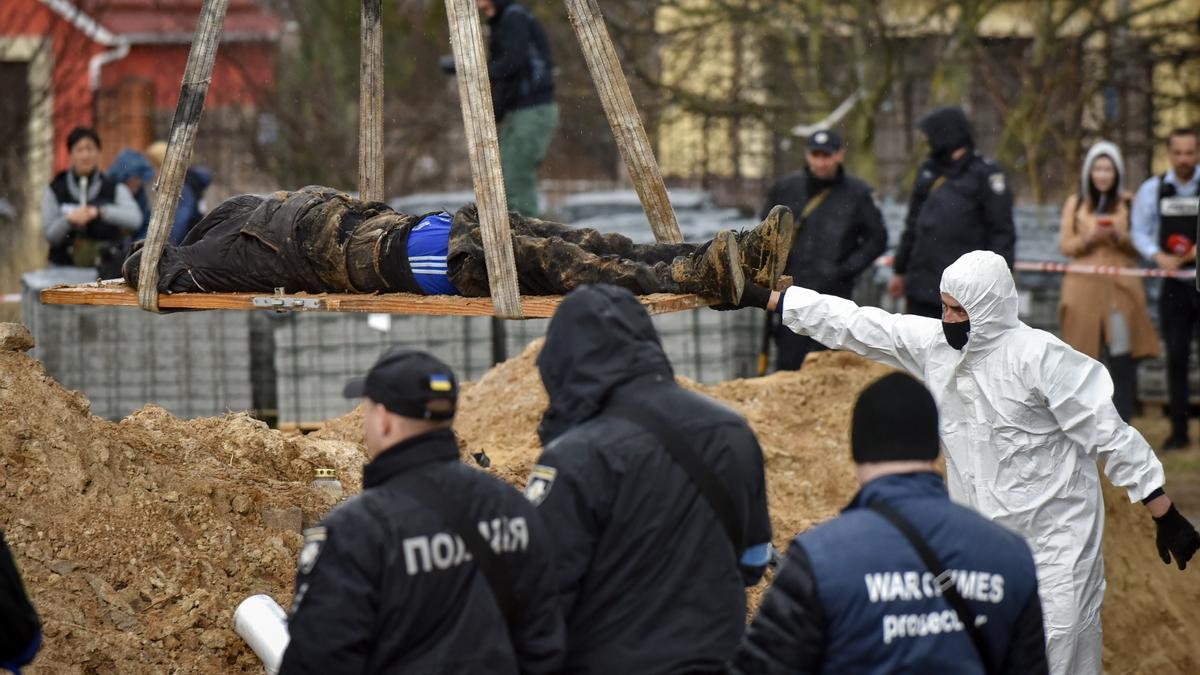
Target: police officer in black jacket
(960, 203)
(435, 567)
(839, 234)
(650, 577)
(857, 595)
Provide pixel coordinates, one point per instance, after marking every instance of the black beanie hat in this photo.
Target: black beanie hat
(895, 419)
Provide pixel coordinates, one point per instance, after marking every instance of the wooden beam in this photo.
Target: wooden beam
(117, 294)
(370, 104)
(483, 145)
(624, 119)
(192, 92)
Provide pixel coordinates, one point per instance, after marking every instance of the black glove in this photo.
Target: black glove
(752, 296)
(1176, 537)
(446, 63)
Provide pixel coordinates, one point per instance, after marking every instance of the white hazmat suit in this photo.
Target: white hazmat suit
(1024, 417)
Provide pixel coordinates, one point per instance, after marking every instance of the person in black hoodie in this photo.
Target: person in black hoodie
(960, 202)
(521, 71)
(435, 567)
(20, 629)
(839, 233)
(653, 494)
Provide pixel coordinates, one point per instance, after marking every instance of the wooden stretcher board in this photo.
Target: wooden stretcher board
(117, 294)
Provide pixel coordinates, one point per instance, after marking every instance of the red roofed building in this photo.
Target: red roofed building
(117, 60)
(116, 65)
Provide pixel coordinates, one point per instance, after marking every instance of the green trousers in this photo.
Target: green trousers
(525, 137)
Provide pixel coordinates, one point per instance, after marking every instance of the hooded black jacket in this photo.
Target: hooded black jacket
(384, 588)
(971, 209)
(840, 239)
(648, 579)
(20, 630)
(520, 66)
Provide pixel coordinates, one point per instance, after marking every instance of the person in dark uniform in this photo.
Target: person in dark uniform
(435, 567)
(654, 496)
(1163, 226)
(855, 595)
(87, 217)
(839, 233)
(960, 202)
(20, 628)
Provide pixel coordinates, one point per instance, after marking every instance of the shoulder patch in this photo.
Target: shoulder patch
(314, 539)
(996, 181)
(541, 479)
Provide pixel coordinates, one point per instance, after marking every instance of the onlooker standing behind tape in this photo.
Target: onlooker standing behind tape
(960, 202)
(87, 218)
(1105, 316)
(1164, 231)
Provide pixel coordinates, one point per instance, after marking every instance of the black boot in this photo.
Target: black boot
(765, 248)
(715, 271)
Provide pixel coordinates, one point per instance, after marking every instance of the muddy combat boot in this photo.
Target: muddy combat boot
(765, 248)
(714, 272)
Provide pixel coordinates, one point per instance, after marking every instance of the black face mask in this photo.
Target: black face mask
(957, 333)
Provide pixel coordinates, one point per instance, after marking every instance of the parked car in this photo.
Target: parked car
(621, 211)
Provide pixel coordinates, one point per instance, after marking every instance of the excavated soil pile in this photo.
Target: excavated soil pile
(139, 538)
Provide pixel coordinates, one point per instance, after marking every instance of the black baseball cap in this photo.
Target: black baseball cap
(410, 383)
(824, 141)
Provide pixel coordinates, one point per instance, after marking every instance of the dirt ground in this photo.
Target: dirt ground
(138, 539)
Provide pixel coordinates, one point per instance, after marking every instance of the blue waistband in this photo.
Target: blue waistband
(428, 246)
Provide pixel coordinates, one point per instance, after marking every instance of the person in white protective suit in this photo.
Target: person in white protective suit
(1024, 417)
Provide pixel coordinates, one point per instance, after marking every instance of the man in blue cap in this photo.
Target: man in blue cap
(839, 232)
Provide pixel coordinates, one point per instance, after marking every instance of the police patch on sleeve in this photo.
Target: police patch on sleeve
(540, 482)
(996, 180)
(314, 539)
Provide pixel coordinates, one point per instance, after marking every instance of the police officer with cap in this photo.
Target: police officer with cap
(435, 566)
(960, 202)
(904, 580)
(839, 232)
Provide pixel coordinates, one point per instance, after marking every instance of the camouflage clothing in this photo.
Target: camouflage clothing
(552, 258)
(321, 240)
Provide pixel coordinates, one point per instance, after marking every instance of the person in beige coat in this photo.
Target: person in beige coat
(1105, 316)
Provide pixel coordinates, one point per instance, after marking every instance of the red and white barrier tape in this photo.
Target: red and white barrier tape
(10, 298)
(1061, 268)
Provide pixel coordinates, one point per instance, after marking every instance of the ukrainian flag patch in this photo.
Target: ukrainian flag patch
(440, 383)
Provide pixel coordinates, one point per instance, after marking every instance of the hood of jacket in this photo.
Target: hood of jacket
(947, 130)
(501, 5)
(1101, 149)
(131, 163)
(199, 178)
(983, 284)
(600, 338)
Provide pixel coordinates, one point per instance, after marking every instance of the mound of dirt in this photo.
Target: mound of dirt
(138, 539)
